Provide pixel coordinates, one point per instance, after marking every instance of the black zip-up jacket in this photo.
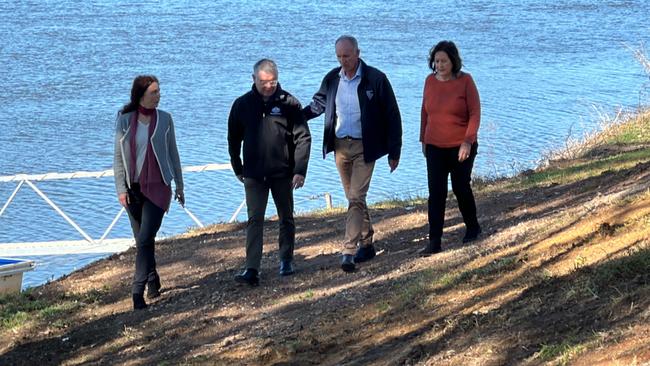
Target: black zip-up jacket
(381, 123)
(276, 137)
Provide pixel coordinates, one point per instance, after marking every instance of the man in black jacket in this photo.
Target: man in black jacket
(277, 142)
(362, 124)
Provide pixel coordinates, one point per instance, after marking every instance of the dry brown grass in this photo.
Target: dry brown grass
(561, 276)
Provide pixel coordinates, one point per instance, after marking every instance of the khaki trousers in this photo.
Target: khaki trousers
(355, 176)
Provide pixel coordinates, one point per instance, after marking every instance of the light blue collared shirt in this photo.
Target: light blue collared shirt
(348, 112)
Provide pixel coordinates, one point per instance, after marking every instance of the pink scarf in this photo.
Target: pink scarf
(152, 184)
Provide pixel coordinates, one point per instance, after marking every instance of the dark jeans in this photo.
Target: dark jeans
(257, 195)
(441, 162)
(146, 219)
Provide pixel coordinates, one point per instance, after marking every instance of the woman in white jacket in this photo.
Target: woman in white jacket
(146, 161)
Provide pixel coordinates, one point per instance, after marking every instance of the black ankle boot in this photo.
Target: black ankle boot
(432, 247)
(138, 302)
(472, 234)
(153, 288)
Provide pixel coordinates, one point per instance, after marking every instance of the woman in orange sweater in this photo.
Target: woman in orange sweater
(450, 117)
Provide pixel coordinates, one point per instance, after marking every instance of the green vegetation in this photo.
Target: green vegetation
(630, 133)
(493, 268)
(16, 310)
(563, 352)
(634, 269)
(581, 171)
(611, 143)
(399, 202)
(309, 294)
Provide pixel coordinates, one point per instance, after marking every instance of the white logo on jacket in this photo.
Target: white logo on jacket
(276, 111)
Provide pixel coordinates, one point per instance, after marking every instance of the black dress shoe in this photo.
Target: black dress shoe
(138, 302)
(472, 234)
(432, 247)
(153, 288)
(286, 269)
(249, 276)
(365, 253)
(347, 263)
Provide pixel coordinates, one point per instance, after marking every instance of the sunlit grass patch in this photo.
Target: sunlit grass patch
(307, 295)
(581, 171)
(396, 202)
(635, 131)
(620, 145)
(325, 212)
(562, 352)
(58, 309)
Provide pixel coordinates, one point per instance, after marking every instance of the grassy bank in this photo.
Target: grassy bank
(561, 276)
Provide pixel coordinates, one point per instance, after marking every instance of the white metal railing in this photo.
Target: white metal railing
(29, 180)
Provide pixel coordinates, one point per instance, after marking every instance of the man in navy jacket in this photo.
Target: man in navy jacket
(276, 144)
(362, 124)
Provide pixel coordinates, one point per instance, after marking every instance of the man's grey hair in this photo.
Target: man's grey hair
(266, 65)
(348, 38)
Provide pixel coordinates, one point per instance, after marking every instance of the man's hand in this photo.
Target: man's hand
(393, 163)
(298, 181)
(124, 199)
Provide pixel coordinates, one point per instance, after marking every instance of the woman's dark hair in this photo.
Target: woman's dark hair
(140, 85)
(450, 49)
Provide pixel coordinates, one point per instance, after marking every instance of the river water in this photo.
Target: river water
(546, 71)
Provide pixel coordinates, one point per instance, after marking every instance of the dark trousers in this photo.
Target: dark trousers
(257, 195)
(441, 162)
(146, 219)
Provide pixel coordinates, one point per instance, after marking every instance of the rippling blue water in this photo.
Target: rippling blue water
(543, 70)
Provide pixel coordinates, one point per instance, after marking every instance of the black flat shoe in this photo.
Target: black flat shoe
(286, 268)
(249, 276)
(347, 263)
(365, 253)
(472, 234)
(433, 247)
(138, 302)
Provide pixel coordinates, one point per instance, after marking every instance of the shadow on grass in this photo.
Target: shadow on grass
(318, 315)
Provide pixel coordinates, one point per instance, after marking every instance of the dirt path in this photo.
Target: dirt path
(555, 278)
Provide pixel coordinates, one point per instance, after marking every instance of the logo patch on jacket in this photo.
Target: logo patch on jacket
(370, 94)
(276, 111)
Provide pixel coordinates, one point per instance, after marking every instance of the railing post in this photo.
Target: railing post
(57, 209)
(191, 215)
(328, 201)
(11, 198)
(110, 227)
(234, 216)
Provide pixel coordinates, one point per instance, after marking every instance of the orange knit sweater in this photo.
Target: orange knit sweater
(451, 111)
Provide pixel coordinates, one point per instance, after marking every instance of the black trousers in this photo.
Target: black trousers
(257, 195)
(146, 219)
(441, 162)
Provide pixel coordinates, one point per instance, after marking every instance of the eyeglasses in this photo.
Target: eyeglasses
(268, 82)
